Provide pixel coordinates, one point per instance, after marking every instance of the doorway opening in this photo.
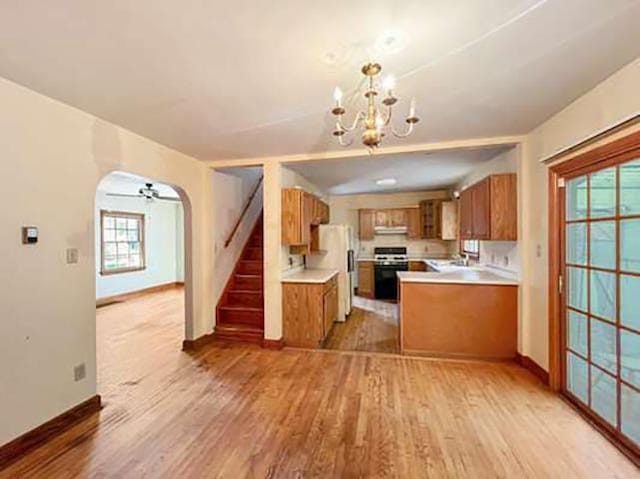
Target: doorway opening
(143, 288)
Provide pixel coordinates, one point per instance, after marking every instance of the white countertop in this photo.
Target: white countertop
(309, 276)
(461, 275)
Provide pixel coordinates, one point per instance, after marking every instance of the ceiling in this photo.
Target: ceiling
(128, 184)
(220, 80)
(412, 172)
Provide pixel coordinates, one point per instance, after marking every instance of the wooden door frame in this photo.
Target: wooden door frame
(610, 154)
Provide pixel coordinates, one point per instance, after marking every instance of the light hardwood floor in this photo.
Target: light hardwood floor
(240, 411)
(372, 326)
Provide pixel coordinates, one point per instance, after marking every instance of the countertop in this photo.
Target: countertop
(460, 275)
(318, 276)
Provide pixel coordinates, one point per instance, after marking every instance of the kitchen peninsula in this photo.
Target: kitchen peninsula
(454, 311)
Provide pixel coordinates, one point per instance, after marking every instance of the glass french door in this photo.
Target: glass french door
(601, 305)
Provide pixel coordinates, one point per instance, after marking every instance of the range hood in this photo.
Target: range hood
(390, 230)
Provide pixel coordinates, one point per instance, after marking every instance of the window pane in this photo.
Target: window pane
(109, 235)
(132, 235)
(630, 188)
(630, 301)
(577, 288)
(604, 398)
(577, 377)
(110, 249)
(134, 261)
(134, 247)
(603, 193)
(577, 198)
(630, 245)
(121, 235)
(630, 357)
(603, 294)
(577, 243)
(603, 345)
(123, 261)
(577, 332)
(123, 249)
(603, 244)
(110, 263)
(109, 222)
(630, 413)
(132, 224)
(121, 223)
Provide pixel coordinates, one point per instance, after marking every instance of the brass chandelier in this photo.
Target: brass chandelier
(374, 121)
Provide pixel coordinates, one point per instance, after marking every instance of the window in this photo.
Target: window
(471, 247)
(122, 242)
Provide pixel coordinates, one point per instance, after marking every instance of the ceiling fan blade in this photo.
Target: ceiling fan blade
(168, 198)
(123, 195)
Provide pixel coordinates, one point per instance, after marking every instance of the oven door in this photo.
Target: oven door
(386, 286)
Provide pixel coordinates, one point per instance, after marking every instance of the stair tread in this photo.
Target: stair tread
(239, 327)
(234, 307)
(245, 275)
(246, 291)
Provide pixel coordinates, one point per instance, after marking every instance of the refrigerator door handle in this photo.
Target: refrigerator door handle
(350, 261)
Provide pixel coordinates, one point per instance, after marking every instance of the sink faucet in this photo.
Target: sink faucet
(465, 259)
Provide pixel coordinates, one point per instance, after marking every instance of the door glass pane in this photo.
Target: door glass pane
(577, 332)
(630, 245)
(577, 377)
(630, 188)
(577, 288)
(603, 294)
(577, 243)
(630, 413)
(603, 345)
(603, 193)
(604, 397)
(630, 357)
(577, 198)
(630, 301)
(603, 244)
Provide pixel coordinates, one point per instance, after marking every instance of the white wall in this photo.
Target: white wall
(163, 245)
(52, 158)
(503, 254)
(611, 102)
(230, 193)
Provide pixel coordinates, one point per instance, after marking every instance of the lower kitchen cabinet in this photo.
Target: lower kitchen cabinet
(309, 310)
(417, 266)
(366, 283)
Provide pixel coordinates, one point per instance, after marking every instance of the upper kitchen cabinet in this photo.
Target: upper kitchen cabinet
(414, 223)
(438, 219)
(302, 212)
(488, 209)
(367, 219)
(397, 217)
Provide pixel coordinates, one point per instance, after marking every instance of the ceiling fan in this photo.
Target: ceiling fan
(147, 192)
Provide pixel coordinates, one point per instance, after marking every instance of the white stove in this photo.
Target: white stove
(390, 256)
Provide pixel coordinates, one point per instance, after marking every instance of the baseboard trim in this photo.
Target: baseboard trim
(533, 367)
(119, 298)
(273, 343)
(17, 448)
(198, 343)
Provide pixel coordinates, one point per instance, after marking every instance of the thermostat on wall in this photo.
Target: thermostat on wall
(29, 234)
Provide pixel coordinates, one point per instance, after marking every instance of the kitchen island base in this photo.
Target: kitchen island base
(477, 321)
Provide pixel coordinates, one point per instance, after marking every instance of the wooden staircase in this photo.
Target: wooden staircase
(240, 311)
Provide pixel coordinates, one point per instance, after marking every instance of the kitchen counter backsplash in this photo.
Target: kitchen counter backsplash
(415, 248)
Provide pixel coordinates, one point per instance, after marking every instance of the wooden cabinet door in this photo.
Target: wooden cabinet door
(382, 218)
(398, 217)
(417, 266)
(307, 218)
(324, 213)
(448, 220)
(504, 207)
(366, 224)
(466, 214)
(294, 208)
(481, 198)
(365, 279)
(329, 310)
(414, 225)
(430, 219)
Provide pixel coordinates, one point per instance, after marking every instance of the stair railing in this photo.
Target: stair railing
(244, 212)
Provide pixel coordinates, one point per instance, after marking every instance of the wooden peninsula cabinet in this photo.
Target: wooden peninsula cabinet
(489, 209)
(309, 308)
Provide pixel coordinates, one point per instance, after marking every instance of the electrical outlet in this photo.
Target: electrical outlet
(72, 255)
(506, 260)
(79, 372)
(538, 250)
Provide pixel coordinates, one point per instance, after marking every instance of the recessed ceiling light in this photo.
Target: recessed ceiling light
(386, 182)
(391, 41)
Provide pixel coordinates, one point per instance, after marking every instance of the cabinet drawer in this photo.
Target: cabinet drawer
(332, 283)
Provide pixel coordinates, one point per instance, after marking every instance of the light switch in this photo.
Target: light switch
(29, 235)
(72, 255)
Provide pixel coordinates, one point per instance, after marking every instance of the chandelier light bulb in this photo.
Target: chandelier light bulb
(412, 108)
(337, 95)
(389, 84)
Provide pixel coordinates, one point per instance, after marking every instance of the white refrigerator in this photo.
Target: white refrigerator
(336, 252)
